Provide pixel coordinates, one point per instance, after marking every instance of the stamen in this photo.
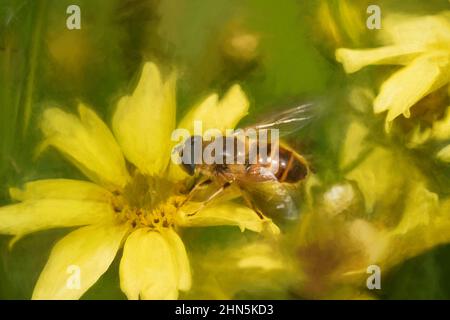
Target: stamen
(142, 207)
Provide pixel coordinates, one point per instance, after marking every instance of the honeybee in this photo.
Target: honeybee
(262, 178)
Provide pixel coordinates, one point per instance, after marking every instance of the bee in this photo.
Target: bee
(262, 178)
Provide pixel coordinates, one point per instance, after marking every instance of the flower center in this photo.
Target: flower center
(149, 201)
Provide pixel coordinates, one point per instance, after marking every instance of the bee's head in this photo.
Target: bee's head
(187, 153)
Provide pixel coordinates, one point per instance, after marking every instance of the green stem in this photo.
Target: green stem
(34, 53)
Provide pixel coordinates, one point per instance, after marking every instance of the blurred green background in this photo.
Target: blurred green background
(285, 60)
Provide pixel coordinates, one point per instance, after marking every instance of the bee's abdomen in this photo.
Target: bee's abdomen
(292, 167)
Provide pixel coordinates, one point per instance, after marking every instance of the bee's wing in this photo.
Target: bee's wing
(270, 197)
(287, 121)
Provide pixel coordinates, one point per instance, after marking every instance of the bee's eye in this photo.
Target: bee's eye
(187, 154)
(189, 168)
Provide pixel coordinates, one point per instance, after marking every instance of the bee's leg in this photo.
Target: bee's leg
(251, 205)
(196, 186)
(211, 198)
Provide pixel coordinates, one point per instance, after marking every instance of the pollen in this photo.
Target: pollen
(148, 202)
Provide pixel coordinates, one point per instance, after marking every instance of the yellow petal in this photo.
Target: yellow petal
(374, 241)
(181, 258)
(354, 60)
(175, 173)
(88, 143)
(424, 225)
(214, 114)
(328, 24)
(354, 144)
(421, 30)
(407, 86)
(61, 189)
(444, 154)
(225, 214)
(418, 137)
(204, 112)
(33, 215)
(253, 266)
(259, 255)
(441, 128)
(143, 122)
(405, 37)
(148, 269)
(381, 177)
(421, 206)
(87, 253)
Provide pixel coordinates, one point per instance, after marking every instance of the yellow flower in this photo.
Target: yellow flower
(421, 45)
(132, 200)
(382, 214)
(397, 202)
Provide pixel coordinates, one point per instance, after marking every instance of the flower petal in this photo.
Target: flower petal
(214, 114)
(372, 239)
(441, 128)
(61, 189)
(34, 215)
(88, 143)
(381, 177)
(355, 60)
(421, 206)
(225, 214)
(143, 122)
(444, 154)
(422, 30)
(148, 269)
(87, 253)
(407, 86)
(425, 224)
(181, 258)
(354, 144)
